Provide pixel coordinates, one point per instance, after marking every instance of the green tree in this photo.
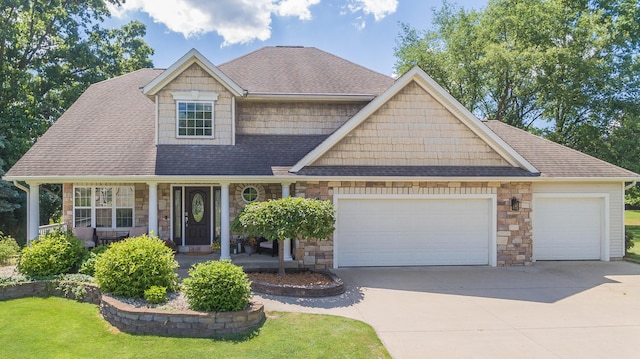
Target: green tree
(556, 64)
(50, 52)
(569, 70)
(291, 217)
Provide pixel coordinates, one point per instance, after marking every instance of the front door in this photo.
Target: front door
(197, 215)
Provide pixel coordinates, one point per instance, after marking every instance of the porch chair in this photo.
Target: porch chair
(87, 235)
(137, 231)
(268, 246)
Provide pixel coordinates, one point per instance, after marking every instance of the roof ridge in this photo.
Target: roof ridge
(349, 61)
(242, 56)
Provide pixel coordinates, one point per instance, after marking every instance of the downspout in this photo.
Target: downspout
(26, 190)
(626, 188)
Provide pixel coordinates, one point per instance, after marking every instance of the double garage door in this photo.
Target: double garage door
(461, 231)
(410, 231)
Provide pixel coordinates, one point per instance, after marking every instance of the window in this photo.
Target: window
(103, 206)
(195, 119)
(249, 194)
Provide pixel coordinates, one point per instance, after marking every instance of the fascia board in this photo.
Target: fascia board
(472, 122)
(352, 123)
(441, 95)
(191, 57)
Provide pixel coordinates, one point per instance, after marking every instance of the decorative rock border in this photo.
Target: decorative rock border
(130, 319)
(187, 323)
(336, 288)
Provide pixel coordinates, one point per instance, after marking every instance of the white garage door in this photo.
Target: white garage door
(567, 228)
(403, 232)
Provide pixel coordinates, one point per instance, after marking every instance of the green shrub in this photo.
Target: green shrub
(217, 287)
(54, 253)
(155, 294)
(8, 248)
(131, 266)
(628, 240)
(89, 263)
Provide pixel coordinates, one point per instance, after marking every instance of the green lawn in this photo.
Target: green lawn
(632, 218)
(61, 328)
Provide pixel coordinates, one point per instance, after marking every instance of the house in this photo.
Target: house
(416, 179)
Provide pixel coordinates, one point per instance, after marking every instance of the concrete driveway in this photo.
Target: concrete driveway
(547, 310)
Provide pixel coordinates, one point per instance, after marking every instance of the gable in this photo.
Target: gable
(197, 83)
(411, 129)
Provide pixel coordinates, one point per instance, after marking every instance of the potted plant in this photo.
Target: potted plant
(250, 245)
(215, 247)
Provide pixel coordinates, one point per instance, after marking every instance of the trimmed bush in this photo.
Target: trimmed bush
(89, 264)
(155, 294)
(54, 253)
(8, 248)
(129, 267)
(217, 287)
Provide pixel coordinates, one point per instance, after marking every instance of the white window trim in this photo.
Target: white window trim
(113, 206)
(196, 97)
(247, 187)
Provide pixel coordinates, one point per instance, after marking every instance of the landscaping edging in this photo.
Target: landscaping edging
(52, 288)
(130, 319)
(336, 288)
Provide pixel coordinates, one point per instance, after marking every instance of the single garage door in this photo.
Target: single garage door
(567, 228)
(404, 232)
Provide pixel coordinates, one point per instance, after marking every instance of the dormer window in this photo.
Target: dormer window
(195, 113)
(195, 119)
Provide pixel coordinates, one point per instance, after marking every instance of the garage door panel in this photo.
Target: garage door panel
(392, 232)
(568, 228)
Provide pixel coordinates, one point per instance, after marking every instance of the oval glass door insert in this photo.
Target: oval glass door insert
(197, 207)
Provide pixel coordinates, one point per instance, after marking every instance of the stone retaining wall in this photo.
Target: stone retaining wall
(134, 320)
(180, 323)
(48, 289)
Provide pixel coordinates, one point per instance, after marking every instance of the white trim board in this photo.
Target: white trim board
(440, 95)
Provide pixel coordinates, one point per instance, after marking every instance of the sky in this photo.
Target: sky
(361, 31)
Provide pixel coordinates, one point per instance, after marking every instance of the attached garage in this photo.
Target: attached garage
(570, 227)
(407, 231)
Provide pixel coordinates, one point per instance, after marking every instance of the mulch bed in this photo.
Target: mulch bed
(305, 279)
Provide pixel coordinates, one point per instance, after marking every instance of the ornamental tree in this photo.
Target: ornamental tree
(291, 217)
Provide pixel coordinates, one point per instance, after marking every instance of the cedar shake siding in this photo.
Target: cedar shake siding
(412, 129)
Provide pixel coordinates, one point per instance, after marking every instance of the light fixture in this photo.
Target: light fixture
(515, 204)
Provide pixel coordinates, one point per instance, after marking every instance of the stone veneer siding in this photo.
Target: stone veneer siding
(514, 231)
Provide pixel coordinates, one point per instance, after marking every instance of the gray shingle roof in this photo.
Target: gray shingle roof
(252, 155)
(109, 130)
(555, 160)
(303, 70)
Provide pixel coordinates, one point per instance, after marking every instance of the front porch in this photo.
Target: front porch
(246, 261)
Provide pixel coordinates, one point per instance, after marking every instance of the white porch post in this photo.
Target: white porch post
(34, 211)
(225, 252)
(287, 242)
(153, 208)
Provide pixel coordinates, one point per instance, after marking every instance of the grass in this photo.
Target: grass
(632, 217)
(60, 328)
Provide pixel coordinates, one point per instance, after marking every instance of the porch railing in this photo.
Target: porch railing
(50, 227)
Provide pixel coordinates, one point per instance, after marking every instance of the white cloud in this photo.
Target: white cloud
(378, 8)
(239, 21)
(299, 8)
